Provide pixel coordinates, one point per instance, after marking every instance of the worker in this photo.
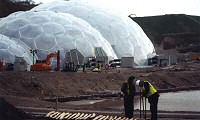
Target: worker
(151, 94)
(84, 68)
(99, 67)
(128, 89)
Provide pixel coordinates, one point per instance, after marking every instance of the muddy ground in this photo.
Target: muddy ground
(36, 92)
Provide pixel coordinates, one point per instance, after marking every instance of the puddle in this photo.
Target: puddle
(84, 102)
(177, 101)
(173, 101)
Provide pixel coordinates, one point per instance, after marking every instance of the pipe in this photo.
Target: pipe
(58, 60)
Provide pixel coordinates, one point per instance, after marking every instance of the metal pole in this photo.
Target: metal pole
(57, 92)
(33, 56)
(140, 103)
(145, 99)
(58, 60)
(142, 106)
(57, 97)
(33, 53)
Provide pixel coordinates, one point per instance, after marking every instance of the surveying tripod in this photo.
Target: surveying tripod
(143, 106)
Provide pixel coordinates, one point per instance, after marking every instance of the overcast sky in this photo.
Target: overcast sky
(150, 7)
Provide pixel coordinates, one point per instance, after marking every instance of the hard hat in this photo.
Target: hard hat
(137, 82)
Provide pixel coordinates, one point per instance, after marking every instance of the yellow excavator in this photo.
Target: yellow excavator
(97, 68)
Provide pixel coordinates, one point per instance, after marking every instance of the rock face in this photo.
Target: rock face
(7, 7)
(179, 31)
(9, 112)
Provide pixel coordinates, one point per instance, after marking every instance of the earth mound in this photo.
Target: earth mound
(9, 112)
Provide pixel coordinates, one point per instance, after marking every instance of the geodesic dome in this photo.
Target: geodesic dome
(126, 36)
(48, 31)
(10, 48)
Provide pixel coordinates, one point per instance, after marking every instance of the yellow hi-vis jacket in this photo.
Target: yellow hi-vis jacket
(128, 88)
(152, 90)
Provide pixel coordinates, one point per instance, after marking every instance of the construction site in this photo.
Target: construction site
(34, 94)
(55, 64)
(94, 91)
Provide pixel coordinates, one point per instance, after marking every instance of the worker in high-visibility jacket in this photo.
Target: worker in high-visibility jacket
(151, 93)
(128, 89)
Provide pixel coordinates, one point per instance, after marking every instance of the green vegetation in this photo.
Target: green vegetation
(169, 24)
(173, 31)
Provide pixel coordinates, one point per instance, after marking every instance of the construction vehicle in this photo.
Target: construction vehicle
(196, 57)
(70, 67)
(94, 64)
(44, 65)
(115, 63)
(98, 67)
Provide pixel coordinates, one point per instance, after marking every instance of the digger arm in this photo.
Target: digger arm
(54, 54)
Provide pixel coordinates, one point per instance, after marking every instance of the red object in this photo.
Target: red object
(44, 65)
(2, 66)
(107, 67)
(58, 60)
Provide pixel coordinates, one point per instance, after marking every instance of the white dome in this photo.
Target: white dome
(49, 31)
(126, 36)
(10, 48)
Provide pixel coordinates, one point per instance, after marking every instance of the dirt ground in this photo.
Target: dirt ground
(36, 92)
